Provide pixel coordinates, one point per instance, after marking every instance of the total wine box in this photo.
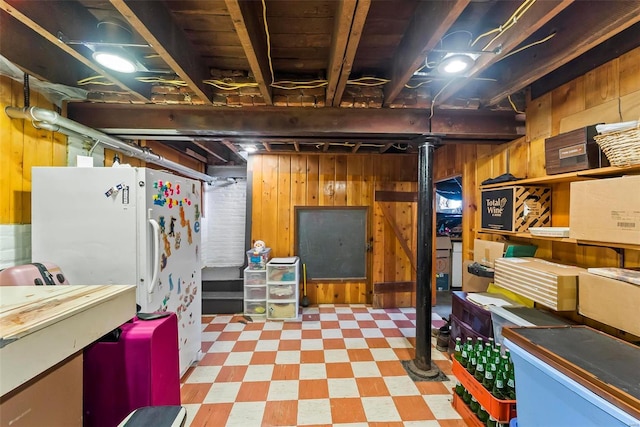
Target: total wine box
(516, 208)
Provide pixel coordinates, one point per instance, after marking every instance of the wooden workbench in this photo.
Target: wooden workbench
(41, 326)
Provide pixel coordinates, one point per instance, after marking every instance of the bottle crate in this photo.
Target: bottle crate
(501, 410)
(465, 412)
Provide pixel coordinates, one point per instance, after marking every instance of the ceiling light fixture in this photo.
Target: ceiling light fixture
(250, 148)
(113, 56)
(456, 63)
(115, 59)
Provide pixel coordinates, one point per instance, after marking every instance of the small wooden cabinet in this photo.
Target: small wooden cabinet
(283, 284)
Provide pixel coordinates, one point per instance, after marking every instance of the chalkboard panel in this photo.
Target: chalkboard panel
(332, 241)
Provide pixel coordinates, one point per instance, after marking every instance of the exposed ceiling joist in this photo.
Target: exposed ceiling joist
(532, 20)
(342, 28)
(575, 35)
(204, 145)
(153, 21)
(232, 148)
(357, 24)
(249, 24)
(430, 22)
(40, 55)
(73, 21)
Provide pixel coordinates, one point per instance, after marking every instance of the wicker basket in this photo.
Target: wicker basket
(622, 148)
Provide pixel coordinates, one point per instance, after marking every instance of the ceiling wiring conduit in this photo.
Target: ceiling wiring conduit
(52, 121)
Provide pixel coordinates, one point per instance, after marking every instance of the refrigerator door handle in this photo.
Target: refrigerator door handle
(156, 254)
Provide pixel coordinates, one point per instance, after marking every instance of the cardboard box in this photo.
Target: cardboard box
(485, 252)
(610, 301)
(605, 210)
(573, 151)
(548, 283)
(53, 398)
(516, 208)
(471, 282)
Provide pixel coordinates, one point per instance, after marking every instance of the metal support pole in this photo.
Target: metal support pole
(424, 279)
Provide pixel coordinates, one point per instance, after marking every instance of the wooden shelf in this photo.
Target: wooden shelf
(526, 235)
(571, 176)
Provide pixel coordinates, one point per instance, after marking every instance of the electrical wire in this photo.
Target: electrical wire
(433, 101)
(520, 11)
(549, 37)
(266, 30)
(94, 81)
(514, 105)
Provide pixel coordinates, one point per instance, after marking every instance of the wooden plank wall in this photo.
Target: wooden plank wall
(609, 93)
(281, 182)
(21, 147)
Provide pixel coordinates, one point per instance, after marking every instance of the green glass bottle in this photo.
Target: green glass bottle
(491, 343)
(466, 397)
(499, 383)
(511, 383)
(479, 345)
(491, 422)
(480, 364)
(473, 360)
(489, 375)
(459, 389)
(474, 405)
(457, 350)
(483, 415)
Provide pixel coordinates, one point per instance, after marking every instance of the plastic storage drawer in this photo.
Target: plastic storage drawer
(255, 292)
(287, 310)
(255, 307)
(474, 316)
(282, 292)
(281, 273)
(255, 277)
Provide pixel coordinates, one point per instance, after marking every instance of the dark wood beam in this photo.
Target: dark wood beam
(153, 21)
(343, 21)
(197, 156)
(458, 124)
(430, 22)
(535, 18)
(293, 122)
(210, 151)
(616, 46)
(71, 19)
(296, 145)
(359, 18)
(578, 29)
(386, 147)
(356, 147)
(42, 62)
(266, 145)
(233, 149)
(249, 25)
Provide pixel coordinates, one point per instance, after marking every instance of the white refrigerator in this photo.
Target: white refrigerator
(125, 226)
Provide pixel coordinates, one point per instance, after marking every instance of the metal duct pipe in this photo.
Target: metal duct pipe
(50, 120)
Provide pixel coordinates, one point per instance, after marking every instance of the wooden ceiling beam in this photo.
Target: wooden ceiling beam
(343, 21)
(249, 24)
(204, 146)
(74, 22)
(153, 21)
(293, 122)
(233, 149)
(296, 145)
(356, 147)
(44, 63)
(266, 145)
(359, 18)
(429, 24)
(532, 20)
(577, 31)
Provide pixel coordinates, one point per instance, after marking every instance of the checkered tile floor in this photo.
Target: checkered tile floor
(339, 366)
